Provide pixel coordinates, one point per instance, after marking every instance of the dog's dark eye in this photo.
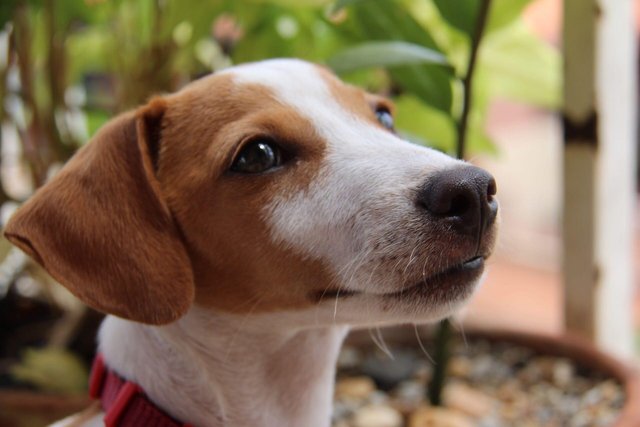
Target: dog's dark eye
(257, 156)
(385, 118)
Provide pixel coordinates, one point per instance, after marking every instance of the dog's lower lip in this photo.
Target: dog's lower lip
(457, 275)
(467, 268)
(473, 262)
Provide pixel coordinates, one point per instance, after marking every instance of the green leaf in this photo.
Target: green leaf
(478, 142)
(95, 120)
(461, 14)
(429, 83)
(419, 122)
(386, 20)
(341, 4)
(7, 8)
(51, 369)
(516, 65)
(504, 13)
(389, 20)
(384, 54)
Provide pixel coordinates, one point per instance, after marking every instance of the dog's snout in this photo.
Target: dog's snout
(464, 195)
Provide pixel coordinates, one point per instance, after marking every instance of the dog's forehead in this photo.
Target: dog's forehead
(296, 83)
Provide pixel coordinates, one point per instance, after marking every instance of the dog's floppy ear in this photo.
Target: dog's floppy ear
(103, 230)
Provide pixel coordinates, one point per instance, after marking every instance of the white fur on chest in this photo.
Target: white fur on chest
(212, 370)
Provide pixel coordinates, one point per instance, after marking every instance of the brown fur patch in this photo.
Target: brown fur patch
(356, 100)
(101, 228)
(237, 266)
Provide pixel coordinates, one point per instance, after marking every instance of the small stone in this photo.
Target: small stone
(387, 372)
(408, 396)
(468, 400)
(410, 390)
(343, 409)
(438, 417)
(459, 367)
(378, 397)
(563, 372)
(508, 390)
(377, 416)
(349, 357)
(423, 373)
(611, 390)
(356, 388)
(482, 368)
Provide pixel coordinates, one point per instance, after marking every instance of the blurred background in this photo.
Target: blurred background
(68, 67)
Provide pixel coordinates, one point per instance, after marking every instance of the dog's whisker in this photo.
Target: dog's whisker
(459, 326)
(378, 344)
(411, 259)
(384, 344)
(335, 306)
(422, 347)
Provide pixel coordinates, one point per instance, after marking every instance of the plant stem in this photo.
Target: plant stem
(441, 360)
(467, 82)
(443, 336)
(33, 144)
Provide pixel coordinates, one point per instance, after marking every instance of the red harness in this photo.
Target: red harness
(124, 402)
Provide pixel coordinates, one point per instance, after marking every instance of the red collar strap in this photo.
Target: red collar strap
(124, 402)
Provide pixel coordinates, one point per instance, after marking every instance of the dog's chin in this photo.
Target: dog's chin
(426, 300)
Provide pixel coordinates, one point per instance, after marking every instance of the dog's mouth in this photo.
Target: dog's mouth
(452, 278)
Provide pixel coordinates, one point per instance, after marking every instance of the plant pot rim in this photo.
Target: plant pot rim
(566, 345)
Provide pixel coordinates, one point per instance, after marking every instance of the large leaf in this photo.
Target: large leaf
(384, 54)
(430, 83)
(516, 65)
(387, 20)
(461, 14)
(52, 370)
(7, 8)
(341, 4)
(504, 13)
(421, 123)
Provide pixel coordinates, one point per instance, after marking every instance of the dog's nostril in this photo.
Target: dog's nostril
(459, 205)
(492, 189)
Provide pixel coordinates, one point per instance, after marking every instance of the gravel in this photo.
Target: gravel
(489, 385)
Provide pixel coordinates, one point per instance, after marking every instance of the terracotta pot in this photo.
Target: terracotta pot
(20, 408)
(575, 348)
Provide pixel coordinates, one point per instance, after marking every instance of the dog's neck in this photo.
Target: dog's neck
(222, 370)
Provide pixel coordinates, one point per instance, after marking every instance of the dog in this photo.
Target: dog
(235, 230)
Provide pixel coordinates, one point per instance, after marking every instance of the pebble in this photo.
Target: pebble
(563, 372)
(387, 372)
(355, 388)
(377, 416)
(459, 366)
(438, 417)
(349, 357)
(468, 400)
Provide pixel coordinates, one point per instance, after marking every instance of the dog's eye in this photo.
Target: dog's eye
(257, 156)
(385, 118)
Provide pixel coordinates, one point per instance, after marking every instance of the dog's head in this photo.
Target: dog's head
(269, 187)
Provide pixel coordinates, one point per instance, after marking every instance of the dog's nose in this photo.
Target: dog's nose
(464, 195)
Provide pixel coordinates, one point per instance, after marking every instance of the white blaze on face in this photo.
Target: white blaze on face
(366, 182)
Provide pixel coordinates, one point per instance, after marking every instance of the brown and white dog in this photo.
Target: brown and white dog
(236, 229)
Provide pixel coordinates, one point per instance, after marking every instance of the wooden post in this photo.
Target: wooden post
(600, 116)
